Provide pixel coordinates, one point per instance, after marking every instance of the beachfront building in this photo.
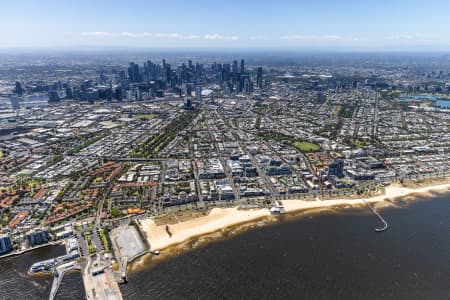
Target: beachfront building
(5, 244)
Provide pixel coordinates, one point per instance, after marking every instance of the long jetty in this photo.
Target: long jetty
(385, 224)
(59, 275)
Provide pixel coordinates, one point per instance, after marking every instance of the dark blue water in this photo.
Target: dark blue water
(331, 256)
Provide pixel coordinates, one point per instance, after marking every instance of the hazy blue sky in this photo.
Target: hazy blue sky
(292, 24)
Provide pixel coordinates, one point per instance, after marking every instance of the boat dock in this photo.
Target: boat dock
(59, 273)
(385, 224)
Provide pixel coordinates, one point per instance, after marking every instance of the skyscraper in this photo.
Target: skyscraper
(198, 93)
(225, 76)
(133, 73)
(259, 76)
(234, 69)
(242, 66)
(53, 96)
(18, 89)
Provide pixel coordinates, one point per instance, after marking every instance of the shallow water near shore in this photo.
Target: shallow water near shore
(331, 254)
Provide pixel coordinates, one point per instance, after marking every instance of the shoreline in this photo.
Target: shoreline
(222, 219)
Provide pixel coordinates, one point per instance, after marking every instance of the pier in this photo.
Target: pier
(59, 273)
(385, 224)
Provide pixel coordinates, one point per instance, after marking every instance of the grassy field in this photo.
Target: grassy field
(91, 247)
(104, 240)
(306, 146)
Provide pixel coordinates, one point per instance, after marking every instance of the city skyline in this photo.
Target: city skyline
(286, 25)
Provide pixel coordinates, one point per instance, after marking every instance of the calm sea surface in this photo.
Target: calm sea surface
(328, 256)
(331, 256)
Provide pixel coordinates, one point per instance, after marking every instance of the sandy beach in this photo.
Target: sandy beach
(221, 218)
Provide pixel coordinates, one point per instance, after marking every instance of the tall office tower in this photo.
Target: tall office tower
(190, 65)
(168, 72)
(173, 79)
(242, 66)
(198, 93)
(18, 89)
(5, 244)
(198, 70)
(234, 68)
(245, 77)
(226, 70)
(259, 77)
(53, 96)
(133, 73)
